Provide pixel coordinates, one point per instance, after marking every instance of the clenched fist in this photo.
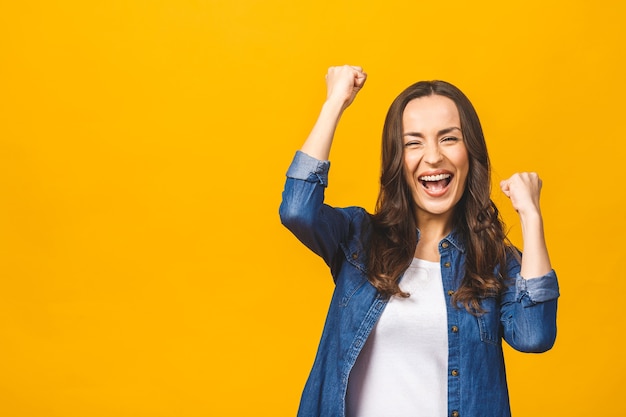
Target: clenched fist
(523, 189)
(343, 84)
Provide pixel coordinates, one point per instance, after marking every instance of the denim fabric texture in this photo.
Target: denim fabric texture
(524, 315)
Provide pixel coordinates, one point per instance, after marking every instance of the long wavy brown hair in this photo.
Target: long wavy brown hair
(476, 219)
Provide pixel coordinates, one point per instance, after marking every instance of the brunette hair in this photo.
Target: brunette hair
(475, 219)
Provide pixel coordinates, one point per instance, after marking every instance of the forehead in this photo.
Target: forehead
(430, 113)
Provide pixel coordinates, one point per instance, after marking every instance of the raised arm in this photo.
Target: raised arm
(319, 226)
(342, 85)
(524, 189)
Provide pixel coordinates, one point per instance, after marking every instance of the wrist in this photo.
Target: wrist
(530, 215)
(532, 223)
(334, 106)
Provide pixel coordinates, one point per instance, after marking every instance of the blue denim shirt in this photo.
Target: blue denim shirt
(524, 315)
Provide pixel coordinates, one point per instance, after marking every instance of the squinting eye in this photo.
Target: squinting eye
(412, 144)
(450, 138)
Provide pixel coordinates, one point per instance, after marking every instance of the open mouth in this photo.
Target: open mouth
(435, 182)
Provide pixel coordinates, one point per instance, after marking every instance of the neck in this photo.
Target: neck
(434, 227)
(432, 230)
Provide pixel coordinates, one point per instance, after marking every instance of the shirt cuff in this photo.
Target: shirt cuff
(307, 168)
(537, 290)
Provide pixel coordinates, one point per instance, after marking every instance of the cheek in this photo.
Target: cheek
(461, 161)
(408, 172)
(410, 163)
(463, 184)
(464, 173)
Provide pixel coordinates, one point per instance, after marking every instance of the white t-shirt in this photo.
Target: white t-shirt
(402, 369)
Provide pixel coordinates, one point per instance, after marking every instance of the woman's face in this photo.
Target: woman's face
(436, 163)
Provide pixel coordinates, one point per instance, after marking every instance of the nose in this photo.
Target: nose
(432, 154)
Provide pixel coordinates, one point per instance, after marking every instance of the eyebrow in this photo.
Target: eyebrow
(441, 132)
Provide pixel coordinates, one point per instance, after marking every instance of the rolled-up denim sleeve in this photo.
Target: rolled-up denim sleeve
(306, 168)
(528, 312)
(302, 210)
(536, 290)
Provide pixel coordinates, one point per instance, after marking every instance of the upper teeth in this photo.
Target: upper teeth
(435, 177)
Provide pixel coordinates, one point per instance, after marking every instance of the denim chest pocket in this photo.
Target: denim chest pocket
(489, 322)
(350, 290)
(353, 271)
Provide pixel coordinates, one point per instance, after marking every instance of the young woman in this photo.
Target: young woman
(428, 286)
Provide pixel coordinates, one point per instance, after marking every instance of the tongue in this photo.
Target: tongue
(436, 185)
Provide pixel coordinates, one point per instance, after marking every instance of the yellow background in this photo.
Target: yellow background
(143, 145)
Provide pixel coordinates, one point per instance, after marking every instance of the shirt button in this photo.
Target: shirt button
(355, 255)
(450, 292)
(455, 372)
(445, 245)
(455, 329)
(455, 413)
(447, 264)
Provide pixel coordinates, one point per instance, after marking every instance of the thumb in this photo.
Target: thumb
(360, 79)
(504, 186)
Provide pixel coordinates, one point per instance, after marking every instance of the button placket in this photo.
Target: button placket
(454, 388)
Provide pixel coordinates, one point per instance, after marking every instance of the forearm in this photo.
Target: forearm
(535, 259)
(319, 141)
(342, 85)
(523, 189)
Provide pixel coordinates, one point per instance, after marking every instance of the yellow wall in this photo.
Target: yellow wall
(143, 145)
